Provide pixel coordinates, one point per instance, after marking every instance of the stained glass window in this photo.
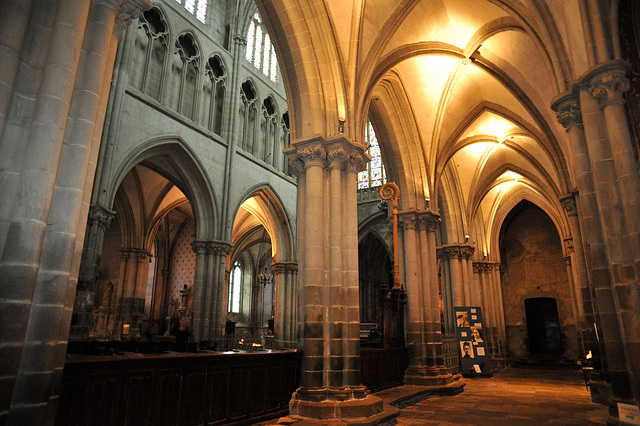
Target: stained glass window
(260, 51)
(235, 285)
(375, 174)
(196, 7)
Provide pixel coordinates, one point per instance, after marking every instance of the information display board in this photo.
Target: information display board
(474, 356)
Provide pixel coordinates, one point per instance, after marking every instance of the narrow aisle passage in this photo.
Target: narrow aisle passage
(513, 396)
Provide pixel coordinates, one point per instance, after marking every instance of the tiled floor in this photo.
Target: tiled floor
(513, 396)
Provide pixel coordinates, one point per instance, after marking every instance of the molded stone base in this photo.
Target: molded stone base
(338, 406)
(429, 376)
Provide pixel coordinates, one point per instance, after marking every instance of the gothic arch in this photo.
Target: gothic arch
(271, 214)
(181, 166)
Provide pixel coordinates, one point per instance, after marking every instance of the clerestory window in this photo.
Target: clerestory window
(375, 174)
(196, 7)
(260, 51)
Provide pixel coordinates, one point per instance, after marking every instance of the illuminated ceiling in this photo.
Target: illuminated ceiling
(460, 93)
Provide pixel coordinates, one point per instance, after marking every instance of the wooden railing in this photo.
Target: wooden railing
(178, 389)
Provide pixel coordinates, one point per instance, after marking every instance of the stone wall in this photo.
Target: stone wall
(533, 266)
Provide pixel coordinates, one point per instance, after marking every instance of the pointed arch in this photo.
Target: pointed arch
(176, 161)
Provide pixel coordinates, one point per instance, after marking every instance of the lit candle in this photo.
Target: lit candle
(125, 329)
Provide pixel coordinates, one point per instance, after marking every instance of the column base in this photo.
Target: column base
(428, 376)
(350, 405)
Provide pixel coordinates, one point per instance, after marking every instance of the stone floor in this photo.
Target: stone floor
(513, 396)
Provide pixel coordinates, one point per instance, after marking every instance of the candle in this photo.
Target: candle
(125, 329)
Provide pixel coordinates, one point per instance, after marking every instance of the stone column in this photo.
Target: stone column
(454, 254)
(199, 321)
(48, 151)
(99, 220)
(480, 270)
(472, 293)
(585, 229)
(610, 237)
(218, 252)
(331, 386)
(424, 336)
(447, 292)
(208, 313)
(580, 277)
(285, 318)
(617, 186)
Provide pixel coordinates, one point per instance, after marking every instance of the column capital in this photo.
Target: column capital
(220, 248)
(126, 11)
(282, 267)
(429, 220)
(100, 216)
(482, 267)
(608, 82)
(569, 204)
(240, 40)
(199, 246)
(456, 251)
(568, 112)
(568, 245)
(326, 153)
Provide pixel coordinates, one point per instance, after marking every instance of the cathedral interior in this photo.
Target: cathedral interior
(263, 208)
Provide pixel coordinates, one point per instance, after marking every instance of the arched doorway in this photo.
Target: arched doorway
(537, 297)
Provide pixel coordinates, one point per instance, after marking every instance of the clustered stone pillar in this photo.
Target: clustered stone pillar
(285, 318)
(424, 335)
(49, 140)
(208, 298)
(134, 272)
(99, 220)
(603, 156)
(457, 260)
(328, 248)
(492, 308)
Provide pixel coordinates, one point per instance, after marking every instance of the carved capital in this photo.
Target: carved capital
(125, 11)
(240, 40)
(568, 245)
(199, 246)
(407, 223)
(125, 254)
(356, 163)
(219, 248)
(482, 267)
(312, 155)
(569, 204)
(296, 167)
(429, 220)
(278, 268)
(337, 157)
(100, 216)
(467, 251)
(609, 86)
(568, 112)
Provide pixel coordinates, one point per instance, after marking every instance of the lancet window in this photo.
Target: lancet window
(260, 51)
(235, 289)
(375, 174)
(196, 7)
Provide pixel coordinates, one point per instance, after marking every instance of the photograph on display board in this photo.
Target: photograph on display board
(476, 334)
(463, 318)
(466, 349)
(470, 331)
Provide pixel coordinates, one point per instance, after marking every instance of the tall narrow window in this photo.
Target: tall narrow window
(375, 174)
(260, 51)
(196, 7)
(235, 286)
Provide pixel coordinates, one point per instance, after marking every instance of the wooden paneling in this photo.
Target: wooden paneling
(180, 389)
(383, 368)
